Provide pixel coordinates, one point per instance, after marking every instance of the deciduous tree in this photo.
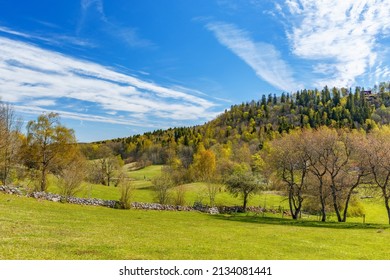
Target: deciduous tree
(49, 145)
(378, 160)
(288, 158)
(9, 140)
(242, 182)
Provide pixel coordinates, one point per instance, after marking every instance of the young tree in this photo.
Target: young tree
(49, 145)
(244, 183)
(205, 169)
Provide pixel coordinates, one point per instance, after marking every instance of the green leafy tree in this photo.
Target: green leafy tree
(49, 145)
(243, 182)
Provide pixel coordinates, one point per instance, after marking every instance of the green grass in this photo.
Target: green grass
(198, 192)
(34, 229)
(146, 173)
(373, 207)
(194, 191)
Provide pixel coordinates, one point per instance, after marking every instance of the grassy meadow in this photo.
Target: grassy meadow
(37, 229)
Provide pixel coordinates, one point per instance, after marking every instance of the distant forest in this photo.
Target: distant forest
(250, 124)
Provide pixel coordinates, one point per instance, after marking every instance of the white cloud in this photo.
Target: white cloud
(34, 110)
(30, 75)
(340, 37)
(263, 58)
(52, 39)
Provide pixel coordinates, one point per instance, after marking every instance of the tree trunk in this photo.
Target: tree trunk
(387, 207)
(345, 212)
(335, 205)
(245, 202)
(322, 200)
(290, 203)
(43, 180)
(346, 207)
(298, 208)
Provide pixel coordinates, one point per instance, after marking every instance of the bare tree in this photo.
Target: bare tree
(316, 155)
(352, 174)
(337, 165)
(9, 140)
(288, 158)
(378, 160)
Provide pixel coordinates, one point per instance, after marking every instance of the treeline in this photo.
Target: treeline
(256, 122)
(329, 167)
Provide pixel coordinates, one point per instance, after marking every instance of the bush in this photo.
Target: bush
(161, 186)
(179, 195)
(71, 177)
(355, 209)
(127, 191)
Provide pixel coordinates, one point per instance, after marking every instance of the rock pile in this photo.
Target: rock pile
(137, 205)
(161, 207)
(11, 190)
(74, 200)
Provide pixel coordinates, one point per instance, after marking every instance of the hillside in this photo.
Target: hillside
(252, 123)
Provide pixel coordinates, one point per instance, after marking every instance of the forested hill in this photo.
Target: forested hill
(254, 122)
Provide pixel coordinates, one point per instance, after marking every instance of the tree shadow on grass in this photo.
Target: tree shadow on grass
(298, 223)
(145, 188)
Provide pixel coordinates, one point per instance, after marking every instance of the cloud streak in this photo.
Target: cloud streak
(341, 38)
(51, 39)
(262, 57)
(95, 10)
(48, 81)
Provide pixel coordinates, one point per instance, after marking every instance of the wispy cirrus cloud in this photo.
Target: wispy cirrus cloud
(94, 10)
(44, 80)
(341, 38)
(262, 57)
(49, 38)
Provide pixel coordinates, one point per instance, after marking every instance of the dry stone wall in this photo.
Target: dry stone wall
(135, 205)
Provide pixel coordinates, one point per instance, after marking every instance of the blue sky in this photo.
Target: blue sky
(117, 68)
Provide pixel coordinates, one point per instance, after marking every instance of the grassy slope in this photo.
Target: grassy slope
(31, 229)
(194, 191)
(373, 208)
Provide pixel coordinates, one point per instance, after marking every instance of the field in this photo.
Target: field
(34, 229)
